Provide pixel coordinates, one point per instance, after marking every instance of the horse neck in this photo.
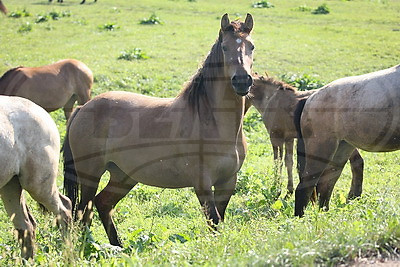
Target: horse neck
(261, 93)
(211, 98)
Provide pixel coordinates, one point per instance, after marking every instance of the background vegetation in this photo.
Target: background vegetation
(153, 47)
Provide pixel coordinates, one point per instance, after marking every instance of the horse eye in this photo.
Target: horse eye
(252, 47)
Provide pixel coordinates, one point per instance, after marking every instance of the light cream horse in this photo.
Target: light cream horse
(355, 112)
(3, 8)
(277, 101)
(193, 140)
(29, 154)
(52, 86)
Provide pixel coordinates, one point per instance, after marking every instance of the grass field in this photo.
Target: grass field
(166, 227)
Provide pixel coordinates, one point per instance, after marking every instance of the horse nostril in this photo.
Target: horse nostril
(249, 80)
(234, 79)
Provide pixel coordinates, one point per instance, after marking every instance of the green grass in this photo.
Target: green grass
(166, 227)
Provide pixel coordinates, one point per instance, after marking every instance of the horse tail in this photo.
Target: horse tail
(3, 8)
(71, 185)
(301, 154)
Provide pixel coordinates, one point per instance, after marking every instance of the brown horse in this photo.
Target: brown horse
(354, 112)
(29, 154)
(60, 1)
(3, 8)
(52, 86)
(193, 140)
(277, 101)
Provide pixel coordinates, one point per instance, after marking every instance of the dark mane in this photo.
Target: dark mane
(195, 90)
(282, 85)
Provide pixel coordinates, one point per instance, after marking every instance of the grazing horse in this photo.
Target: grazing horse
(3, 8)
(192, 140)
(353, 112)
(29, 154)
(52, 86)
(277, 101)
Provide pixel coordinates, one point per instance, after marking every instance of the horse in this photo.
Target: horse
(3, 8)
(353, 112)
(52, 86)
(276, 101)
(192, 140)
(83, 1)
(60, 1)
(29, 145)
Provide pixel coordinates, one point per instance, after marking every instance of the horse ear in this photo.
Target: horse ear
(248, 23)
(225, 22)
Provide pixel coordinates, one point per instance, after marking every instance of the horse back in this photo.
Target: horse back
(362, 110)
(26, 129)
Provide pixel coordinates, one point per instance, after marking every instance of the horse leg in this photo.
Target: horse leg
(118, 186)
(69, 106)
(357, 169)
(48, 195)
(289, 165)
(206, 198)
(222, 194)
(14, 203)
(89, 181)
(318, 155)
(83, 1)
(332, 173)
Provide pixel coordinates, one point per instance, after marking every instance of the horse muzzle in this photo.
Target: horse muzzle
(242, 84)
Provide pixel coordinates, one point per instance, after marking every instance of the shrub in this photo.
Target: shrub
(27, 27)
(153, 19)
(322, 9)
(41, 18)
(131, 54)
(19, 14)
(52, 14)
(108, 27)
(302, 83)
(262, 4)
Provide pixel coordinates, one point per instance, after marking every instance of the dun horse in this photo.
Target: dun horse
(29, 145)
(353, 112)
(277, 101)
(52, 86)
(193, 140)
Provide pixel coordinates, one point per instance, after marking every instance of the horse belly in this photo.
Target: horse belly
(373, 124)
(171, 168)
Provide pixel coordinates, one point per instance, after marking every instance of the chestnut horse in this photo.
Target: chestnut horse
(277, 101)
(30, 148)
(52, 86)
(193, 140)
(3, 8)
(353, 112)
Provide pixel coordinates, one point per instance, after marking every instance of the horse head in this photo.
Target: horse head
(237, 48)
